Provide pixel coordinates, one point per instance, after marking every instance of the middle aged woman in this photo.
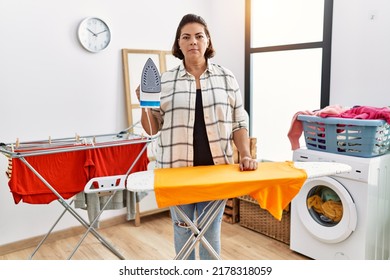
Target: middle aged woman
(200, 116)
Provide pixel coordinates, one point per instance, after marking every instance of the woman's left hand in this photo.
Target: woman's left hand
(248, 163)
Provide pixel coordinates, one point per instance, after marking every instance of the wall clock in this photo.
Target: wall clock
(94, 34)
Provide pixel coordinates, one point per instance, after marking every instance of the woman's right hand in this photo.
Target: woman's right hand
(137, 93)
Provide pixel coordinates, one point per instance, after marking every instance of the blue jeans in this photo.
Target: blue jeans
(182, 232)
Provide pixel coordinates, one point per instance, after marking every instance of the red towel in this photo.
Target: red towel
(68, 172)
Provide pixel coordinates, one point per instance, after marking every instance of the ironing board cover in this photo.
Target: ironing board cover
(273, 184)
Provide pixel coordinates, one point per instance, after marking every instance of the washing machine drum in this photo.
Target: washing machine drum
(326, 209)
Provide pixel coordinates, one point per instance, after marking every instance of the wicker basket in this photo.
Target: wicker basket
(252, 216)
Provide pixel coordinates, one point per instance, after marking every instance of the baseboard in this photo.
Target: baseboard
(61, 234)
(152, 212)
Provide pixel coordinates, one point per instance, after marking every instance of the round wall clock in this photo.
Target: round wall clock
(94, 34)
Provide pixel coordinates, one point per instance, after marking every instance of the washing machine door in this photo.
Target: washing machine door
(326, 209)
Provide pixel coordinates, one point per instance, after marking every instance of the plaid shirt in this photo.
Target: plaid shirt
(223, 112)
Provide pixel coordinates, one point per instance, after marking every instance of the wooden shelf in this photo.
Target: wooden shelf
(231, 214)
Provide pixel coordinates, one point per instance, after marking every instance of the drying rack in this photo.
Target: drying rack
(24, 152)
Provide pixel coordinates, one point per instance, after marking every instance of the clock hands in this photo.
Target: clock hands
(92, 32)
(96, 34)
(105, 30)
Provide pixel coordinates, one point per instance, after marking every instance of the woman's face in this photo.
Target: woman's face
(193, 41)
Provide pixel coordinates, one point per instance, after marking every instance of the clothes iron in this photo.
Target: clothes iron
(150, 86)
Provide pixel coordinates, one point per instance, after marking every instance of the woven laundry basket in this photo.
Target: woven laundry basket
(252, 216)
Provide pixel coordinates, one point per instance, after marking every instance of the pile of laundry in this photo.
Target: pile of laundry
(327, 205)
(336, 111)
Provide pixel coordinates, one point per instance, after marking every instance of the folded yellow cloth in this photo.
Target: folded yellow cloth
(273, 184)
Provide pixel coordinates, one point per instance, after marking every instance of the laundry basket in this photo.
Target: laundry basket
(354, 137)
(252, 216)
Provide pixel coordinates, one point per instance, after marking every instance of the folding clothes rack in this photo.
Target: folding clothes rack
(145, 181)
(78, 150)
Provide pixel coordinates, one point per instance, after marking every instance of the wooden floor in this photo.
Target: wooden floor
(153, 240)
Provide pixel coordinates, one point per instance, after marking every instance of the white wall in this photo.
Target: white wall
(227, 25)
(360, 53)
(50, 86)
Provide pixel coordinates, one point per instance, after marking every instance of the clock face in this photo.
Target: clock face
(94, 34)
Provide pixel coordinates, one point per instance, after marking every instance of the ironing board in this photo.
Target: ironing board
(39, 171)
(145, 181)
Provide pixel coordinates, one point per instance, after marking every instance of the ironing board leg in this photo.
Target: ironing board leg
(199, 229)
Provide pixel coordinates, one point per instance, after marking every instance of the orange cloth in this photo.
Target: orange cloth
(273, 184)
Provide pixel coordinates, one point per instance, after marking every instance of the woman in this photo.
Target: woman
(200, 115)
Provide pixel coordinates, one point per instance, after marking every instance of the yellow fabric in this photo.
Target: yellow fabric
(330, 209)
(273, 184)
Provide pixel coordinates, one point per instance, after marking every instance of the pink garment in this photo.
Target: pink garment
(296, 127)
(367, 112)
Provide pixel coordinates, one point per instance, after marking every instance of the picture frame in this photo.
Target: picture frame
(133, 63)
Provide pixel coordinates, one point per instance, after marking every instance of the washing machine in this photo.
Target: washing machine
(346, 216)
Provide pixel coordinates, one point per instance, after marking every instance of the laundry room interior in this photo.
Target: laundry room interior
(312, 76)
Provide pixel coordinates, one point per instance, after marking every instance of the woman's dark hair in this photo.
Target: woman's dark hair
(191, 18)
